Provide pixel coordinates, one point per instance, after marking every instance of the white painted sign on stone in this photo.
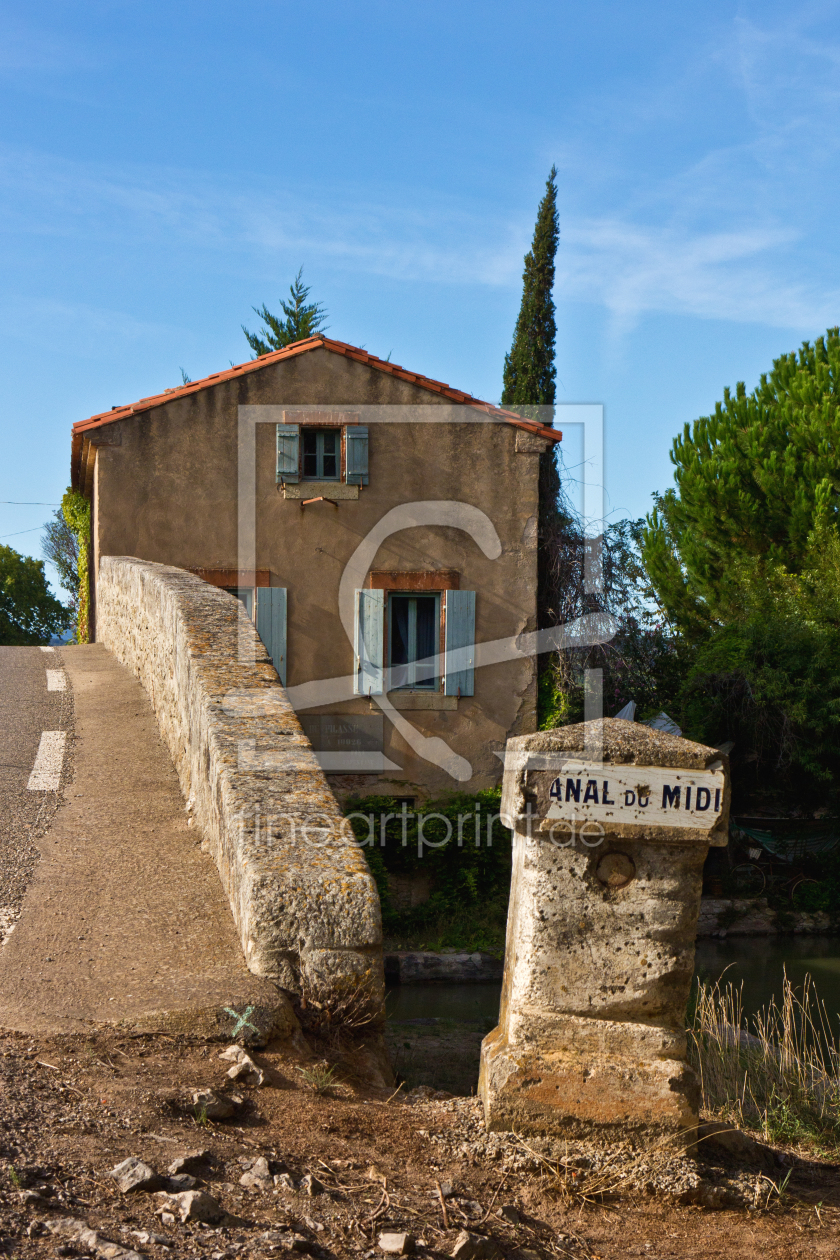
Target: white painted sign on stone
(593, 791)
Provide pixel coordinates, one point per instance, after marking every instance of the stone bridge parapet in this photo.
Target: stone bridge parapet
(303, 900)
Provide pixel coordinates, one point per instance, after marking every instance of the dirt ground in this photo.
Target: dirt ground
(73, 1107)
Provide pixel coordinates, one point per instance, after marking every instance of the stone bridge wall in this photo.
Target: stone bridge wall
(302, 897)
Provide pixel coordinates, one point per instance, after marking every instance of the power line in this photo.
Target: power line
(22, 531)
(28, 503)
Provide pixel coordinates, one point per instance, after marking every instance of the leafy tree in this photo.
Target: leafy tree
(643, 661)
(29, 613)
(302, 319)
(752, 483)
(744, 554)
(60, 546)
(769, 679)
(75, 509)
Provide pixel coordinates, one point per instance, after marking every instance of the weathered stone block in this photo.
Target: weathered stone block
(607, 868)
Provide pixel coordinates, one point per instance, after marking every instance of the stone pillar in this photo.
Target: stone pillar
(612, 824)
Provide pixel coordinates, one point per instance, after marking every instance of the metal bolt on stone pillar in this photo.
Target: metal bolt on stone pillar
(607, 872)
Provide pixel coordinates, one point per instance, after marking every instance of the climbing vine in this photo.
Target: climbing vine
(76, 510)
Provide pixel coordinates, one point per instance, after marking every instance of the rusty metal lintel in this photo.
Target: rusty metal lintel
(320, 499)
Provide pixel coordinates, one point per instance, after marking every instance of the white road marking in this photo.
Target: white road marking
(56, 680)
(47, 649)
(46, 773)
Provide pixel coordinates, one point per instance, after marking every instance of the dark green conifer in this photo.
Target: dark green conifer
(754, 482)
(529, 375)
(303, 319)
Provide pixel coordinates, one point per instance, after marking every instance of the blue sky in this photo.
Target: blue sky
(164, 168)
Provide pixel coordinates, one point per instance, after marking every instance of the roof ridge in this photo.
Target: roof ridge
(301, 347)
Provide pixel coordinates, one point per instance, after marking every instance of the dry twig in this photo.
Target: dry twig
(495, 1197)
(442, 1205)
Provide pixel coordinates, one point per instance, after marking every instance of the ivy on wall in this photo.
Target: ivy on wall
(461, 845)
(76, 510)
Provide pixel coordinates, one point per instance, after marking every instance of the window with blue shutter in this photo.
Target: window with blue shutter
(357, 454)
(271, 625)
(288, 452)
(368, 643)
(459, 638)
(414, 642)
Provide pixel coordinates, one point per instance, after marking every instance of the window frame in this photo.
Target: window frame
(319, 432)
(247, 596)
(353, 453)
(434, 685)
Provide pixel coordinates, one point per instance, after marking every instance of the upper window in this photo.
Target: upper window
(326, 453)
(321, 454)
(414, 641)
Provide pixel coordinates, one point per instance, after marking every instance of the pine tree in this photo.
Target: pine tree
(303, 319)
(529, 374)
(753, 483)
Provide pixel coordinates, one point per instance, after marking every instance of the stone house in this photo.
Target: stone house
(380, 528)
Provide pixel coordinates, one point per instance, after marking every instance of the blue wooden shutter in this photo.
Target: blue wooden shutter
(357, 455)
(459, 636)
(368, 646)
(271, 625)
(288, 453)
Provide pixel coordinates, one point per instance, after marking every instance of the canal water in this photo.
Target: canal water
(435, 1030)
(760, 963)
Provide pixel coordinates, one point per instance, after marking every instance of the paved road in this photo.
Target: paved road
(27, 709)
(124, 919)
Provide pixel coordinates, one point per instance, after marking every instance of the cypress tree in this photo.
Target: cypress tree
(529, 374)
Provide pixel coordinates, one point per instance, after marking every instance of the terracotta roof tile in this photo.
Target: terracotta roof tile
(288, 352)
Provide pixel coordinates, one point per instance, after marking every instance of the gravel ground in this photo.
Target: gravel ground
(292, 1172)
(26, 709)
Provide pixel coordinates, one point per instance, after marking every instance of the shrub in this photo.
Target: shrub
(461, 844)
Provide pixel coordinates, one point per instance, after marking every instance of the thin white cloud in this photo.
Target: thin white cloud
(785, 69)
(733, 233)
(81, 329)
(442, 241)
(634, 270)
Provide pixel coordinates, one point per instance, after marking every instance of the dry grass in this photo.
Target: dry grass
(321, 1077)
(781, 1077)
(341, 1007)
(615, 1171)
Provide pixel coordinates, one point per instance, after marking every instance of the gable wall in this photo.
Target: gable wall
(167, 493)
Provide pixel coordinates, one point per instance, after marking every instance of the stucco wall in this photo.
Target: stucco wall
(168, 493)
(301, 894)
